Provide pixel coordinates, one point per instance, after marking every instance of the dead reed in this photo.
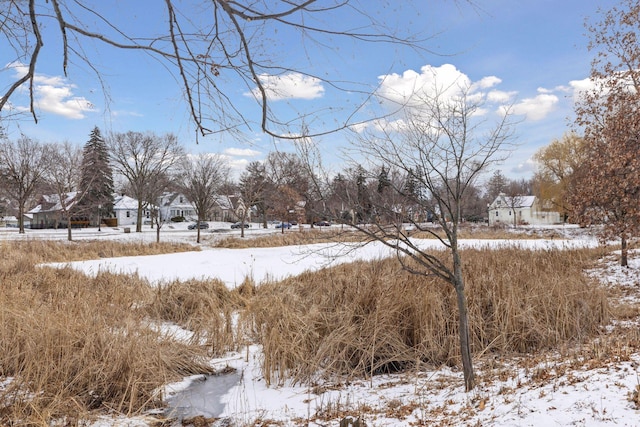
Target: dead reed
(56, 251)
(70, 344)
(291, 237)
(373, 317)
(206, 308)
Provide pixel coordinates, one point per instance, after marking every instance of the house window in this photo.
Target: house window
(509, 213)
(128, 214)
(181, 199)
(497, 213)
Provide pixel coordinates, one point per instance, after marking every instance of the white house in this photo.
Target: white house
(12, 221)
(49, 211)
(125, 209)
(176, 204)
(520, 210)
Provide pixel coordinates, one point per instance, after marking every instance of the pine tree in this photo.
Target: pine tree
(97, 177)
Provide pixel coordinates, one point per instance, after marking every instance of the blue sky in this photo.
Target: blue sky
(530, 53)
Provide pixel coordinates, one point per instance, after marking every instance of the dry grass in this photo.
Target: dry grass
(347, 234)
(74, 344)
(53, 251)
(290, 237)
(367, 318)
(71, 344)
(207, 308)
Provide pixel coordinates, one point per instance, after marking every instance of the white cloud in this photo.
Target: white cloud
(581, 87)
(290, 86)
(500, 96)
(536, 108)
(60, 100)
(527, 167)
(241, 152)
(487, 82)
(446, 81)
(54, 95)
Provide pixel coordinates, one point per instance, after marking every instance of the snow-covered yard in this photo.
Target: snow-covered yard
(541, 390)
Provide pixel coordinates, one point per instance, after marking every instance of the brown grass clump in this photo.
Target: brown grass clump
(206, 308)
(70, 344)
(368, 318)
(55, 251)
(291, 237)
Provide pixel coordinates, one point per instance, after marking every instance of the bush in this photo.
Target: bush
(178, 219)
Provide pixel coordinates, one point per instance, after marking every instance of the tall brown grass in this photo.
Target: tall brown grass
(290, 237)
(73, 344)
(373, 317)
(348, 234)
(207, 308)
(55, 251)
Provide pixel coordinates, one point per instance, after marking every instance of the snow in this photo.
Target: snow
(541, 390)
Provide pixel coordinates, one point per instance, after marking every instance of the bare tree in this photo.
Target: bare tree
(211, 47)
(143, 159)
(22, 167)
(63, 172)
(254, 188)
(200, 178)
(155, 195)
(444, 142)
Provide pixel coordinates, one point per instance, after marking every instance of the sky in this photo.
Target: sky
(530, 54)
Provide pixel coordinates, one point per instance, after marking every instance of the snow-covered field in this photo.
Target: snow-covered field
(541, 390)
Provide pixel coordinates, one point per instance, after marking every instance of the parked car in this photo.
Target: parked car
(203, 226)
(239, 225)
(322, 224)
(283, 225)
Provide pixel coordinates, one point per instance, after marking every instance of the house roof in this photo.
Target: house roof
(123, 202)
(52, 203)
(513, 202)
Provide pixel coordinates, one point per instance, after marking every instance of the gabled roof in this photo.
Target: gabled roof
(52, 202)
(513, 202)
(123, 202)
(173, 200)
(224, 202)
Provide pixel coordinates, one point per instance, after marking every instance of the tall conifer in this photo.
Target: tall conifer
(97, 176)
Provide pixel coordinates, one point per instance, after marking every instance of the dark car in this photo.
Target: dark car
(322, 224)
(239, 225)
(283, 225)
(203, 226)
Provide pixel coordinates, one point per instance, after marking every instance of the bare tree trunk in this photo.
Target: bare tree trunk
(139, 218)
(157, 234)
(69, 238)
(21, 217)
(624, 252)
(463, 324)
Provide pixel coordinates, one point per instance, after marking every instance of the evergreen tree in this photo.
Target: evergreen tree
(363, 208)
(497, 184)
(383, 180)
(97, 177)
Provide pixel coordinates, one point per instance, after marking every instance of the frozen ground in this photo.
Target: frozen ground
(540, 390)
